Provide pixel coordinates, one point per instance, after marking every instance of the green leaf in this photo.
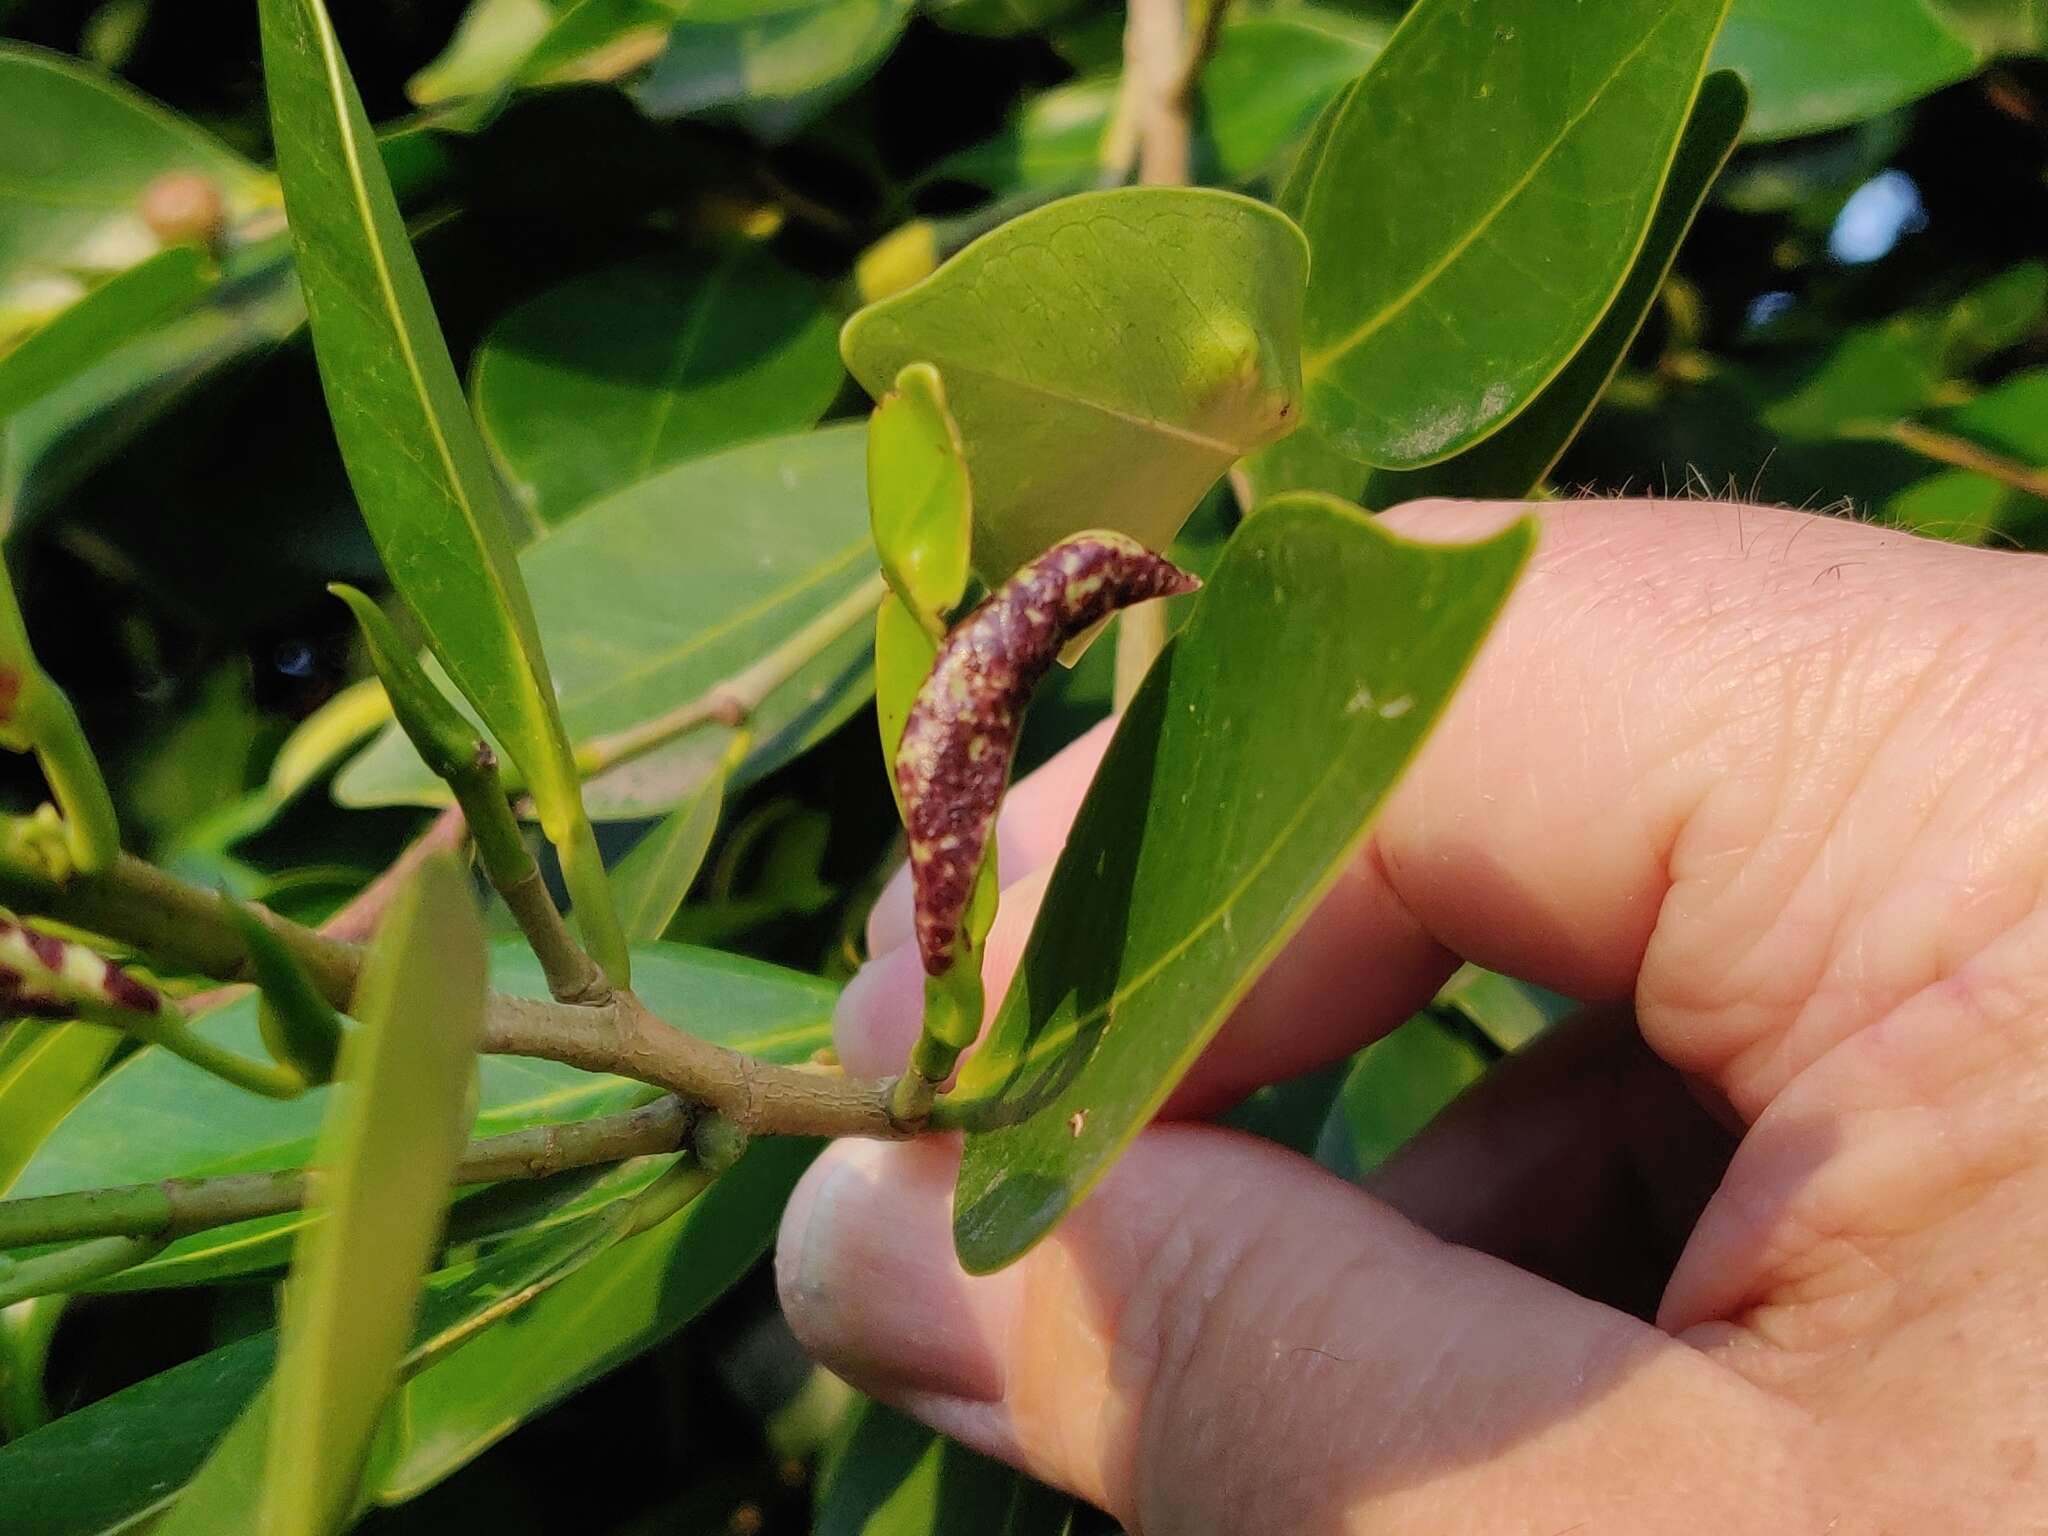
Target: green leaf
(299, 1026)
(1818, 64)
(1107, 358)
(652, 880)
(156, 1117)
(668, 587)
(1395, 1087)
(492, 40)
(418, 466)
(1508, 1012)
(2011, 418)
(1514, 460)
(920, 504)
(1997, 26)
(47, 1067)
(617, 1306)
(77, 148)
(1241, 782)
(772, 72)
(890, 1476)
(1503, 158)
(125, 305)
(600, 40)
(387, 1159)
(621, 373)
(1269, 76)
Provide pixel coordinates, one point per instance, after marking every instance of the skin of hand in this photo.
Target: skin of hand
(1760, 1245)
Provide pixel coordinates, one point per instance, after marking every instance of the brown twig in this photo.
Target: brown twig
(174, 1208)
(137, 904)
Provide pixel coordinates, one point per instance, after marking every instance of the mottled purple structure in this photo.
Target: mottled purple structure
(962, 732)
(39, 998)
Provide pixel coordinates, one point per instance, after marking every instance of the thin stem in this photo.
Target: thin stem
(174, 1208)
(270, 1079)
(91, 828)
(732, 702)
(626, 1039)
(69, 1268)
(139, 905)
(179, 924)
(1946, 448)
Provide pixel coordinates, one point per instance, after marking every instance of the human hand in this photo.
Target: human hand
(1781, 784)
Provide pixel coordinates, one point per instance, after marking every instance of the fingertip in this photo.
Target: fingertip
(877, 1017)
(865, 1272)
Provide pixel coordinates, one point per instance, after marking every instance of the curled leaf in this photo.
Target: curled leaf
(954, 760)
(300, 1028)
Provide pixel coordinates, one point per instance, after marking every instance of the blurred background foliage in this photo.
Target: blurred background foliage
(642, 221)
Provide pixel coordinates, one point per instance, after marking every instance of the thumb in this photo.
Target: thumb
(1225, 1338)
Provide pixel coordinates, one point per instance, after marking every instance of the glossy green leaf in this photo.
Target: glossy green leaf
(1997, 26)
(623, 372)
(1269, 76)
(1869, 377)
(652, 880)
(419, 468)
(300, 1028)
(920, 504)
(1242, 780)
(1107, 358)
(1504, 158)
(157, 1117)
(46, 1068)
(125, 305)
(1395, 1087)
(774, 73)
(77, 148)
(387, 1158)
(491, 41)
(887, 1475)
(1514, 460)
(2011, 418)
(658, 592)
(1819, 64)
(617, 1306)
(600, 39)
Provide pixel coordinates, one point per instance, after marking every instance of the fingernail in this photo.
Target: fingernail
(868, 1281)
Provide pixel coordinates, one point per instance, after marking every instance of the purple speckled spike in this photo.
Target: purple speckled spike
(962, 732)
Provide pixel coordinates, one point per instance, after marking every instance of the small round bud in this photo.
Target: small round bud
(185, 208)
(718, 1143)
